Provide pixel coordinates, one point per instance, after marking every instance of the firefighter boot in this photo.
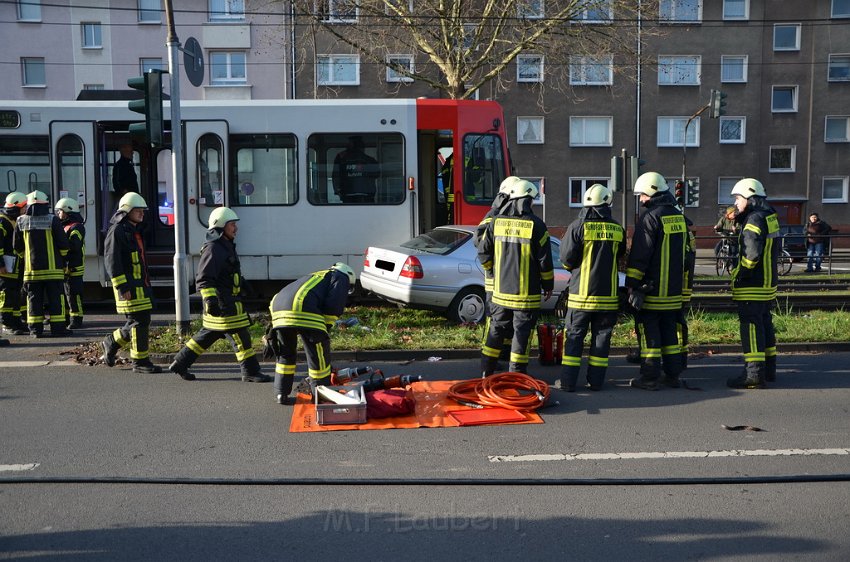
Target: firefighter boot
(58, 330)
(181, 369)
(251, 371)
(752, 377)
(518, 368)
(76, 323)
(770, 369)
(4, 342)
(282, 387)
(595, 377)
(488, 366)
(314, 382)
(569, 376)
(110, 350)
(145, 366)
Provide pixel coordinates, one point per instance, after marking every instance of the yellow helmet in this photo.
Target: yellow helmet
(507, 183)
(748, 187)
(16, 199)
(132, 201)
(598, 194)
(346, 269)
(523, 188)
(221, 216)
(650, 183)
(36, 196)
(68, 205)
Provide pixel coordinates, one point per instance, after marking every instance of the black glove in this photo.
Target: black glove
(636, 298)
(212, 307)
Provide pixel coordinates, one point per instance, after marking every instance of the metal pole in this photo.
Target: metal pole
(181, 286)
(685, 141)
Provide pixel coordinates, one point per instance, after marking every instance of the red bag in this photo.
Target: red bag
(388, 403)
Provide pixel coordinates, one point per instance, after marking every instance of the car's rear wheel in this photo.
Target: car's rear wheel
(468, 306)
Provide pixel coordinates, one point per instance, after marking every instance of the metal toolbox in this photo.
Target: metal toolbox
(333, 414)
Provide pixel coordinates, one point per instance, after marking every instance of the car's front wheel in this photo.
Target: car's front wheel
(468, 306)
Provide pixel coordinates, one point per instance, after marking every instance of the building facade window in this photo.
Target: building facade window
(595, 12)
(724, 189)
(835, 189)
(680, 10)
(786, 37)
(837, 128)
(677, 70)
(671, 131)
(840, 8)
(529, 68)
(592, 70)
(396, 67)
(150, 11)
(338, 70)
(92, 38)
(591, 131)
(227, 68)
(733, 68)
(29, 10)
(151, 63)
(839, 68)
(579, 185)
(783, 158)
(338, 11)
(784, 99)
(733, 130)
(32, 69)
(736, 9)
(530, 130)
(531, 9)
(227, 9)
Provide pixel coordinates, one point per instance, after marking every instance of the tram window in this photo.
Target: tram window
(347, 168)
(165, 187)
(263, 170)
(24, 164)
(209, 174)
(484, 168)
(71, 170)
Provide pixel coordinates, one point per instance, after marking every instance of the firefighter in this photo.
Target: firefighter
(11, 272)
(126, 265)
(43, 247)
(654, 277)
(754, 283)
(307, 307)
(68, 211)
(219, 279)
(591, 249)
(515, 249)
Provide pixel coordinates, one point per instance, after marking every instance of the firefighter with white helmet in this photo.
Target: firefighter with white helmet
(43, 247)
(126, 265)
(11, 270)
(591, 249)
(308, 307)
(655, 279)
(219, 280)
(68, 211)
(754, 282)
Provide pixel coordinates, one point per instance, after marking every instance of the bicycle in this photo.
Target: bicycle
(727, 256)
(784, 261)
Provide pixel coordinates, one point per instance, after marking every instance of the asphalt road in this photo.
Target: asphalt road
(618, 474)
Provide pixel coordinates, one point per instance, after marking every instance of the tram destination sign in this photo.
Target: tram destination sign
(9, 119)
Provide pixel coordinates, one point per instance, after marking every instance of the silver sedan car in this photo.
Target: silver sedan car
(439, 270)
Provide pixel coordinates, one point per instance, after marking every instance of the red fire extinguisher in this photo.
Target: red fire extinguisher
(550, 340)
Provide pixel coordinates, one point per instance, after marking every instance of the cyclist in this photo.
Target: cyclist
(727, 228)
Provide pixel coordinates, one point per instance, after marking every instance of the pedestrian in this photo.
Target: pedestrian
(754, 283)
(591, 249)
(43, 247)
(307, 308)
(219, 280)
(655, 277)
(515, 248)
(355, 173)
(124, 179)
(817, 232)
(11, 270)
(127, 268)
(68, 211)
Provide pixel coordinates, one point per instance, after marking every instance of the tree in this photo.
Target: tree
(462, 45)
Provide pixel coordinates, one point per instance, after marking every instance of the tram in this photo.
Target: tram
(276, 163)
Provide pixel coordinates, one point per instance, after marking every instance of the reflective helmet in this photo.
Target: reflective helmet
(507, 183)
(650, 183)
(523, 188)
(221, 216)
(346, 269)
(36, 196)
(68, 205)
(16, 199)
(132, 201)
(598, 194)
(748, 187)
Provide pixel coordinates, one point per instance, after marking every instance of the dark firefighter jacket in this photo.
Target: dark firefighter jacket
(591, 249)
(690, 263)
(41, 243)
(756, 275)
(124, 256)
(76, 233)
(219, 278)
(7, 248)
(500, 200)
(515, 247)
(312, 302)
(657, 257)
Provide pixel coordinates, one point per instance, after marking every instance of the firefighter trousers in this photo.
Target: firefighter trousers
(240, 341)
(506, 344)
(10, 302)
(601, 324)
(758, 338)
(682, 333)
(502, 320)
(74, 294)
(659, 343)
(317, 348)
(135, 334)
(41, 296)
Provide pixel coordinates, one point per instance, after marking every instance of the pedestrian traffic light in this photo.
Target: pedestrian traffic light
(151, 106)
(717, 104)
(680, 192)
(616, 183)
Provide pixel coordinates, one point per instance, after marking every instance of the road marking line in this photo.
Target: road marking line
(24, 364)
(17, 467)
(669, 455)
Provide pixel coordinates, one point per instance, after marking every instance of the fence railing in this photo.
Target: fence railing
(793, 243)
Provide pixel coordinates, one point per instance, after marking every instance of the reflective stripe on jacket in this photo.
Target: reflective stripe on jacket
(312, 302)
(755, 277)
(126, 265)
(591, 249)
(42, 245)
(76, 233)
(220, 276)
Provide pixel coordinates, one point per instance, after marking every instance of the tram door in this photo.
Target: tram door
(206, 175)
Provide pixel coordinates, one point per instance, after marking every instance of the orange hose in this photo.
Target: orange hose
(514, 391)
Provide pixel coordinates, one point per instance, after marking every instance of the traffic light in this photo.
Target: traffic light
(151, 106)
(616, 183)
(717, 104)
(680, 192)
(635, 164)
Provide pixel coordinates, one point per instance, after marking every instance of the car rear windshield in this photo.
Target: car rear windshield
(440, 241)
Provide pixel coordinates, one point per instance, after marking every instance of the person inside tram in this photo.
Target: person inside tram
(124, 179)
(355, 173)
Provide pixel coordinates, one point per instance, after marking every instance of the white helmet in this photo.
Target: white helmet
(507, 183)
(523, 188)
(221, 216)
(650, 183)
(598, 194)
(36, 196)
(346, 269)
(68, 205)
(748, 187)
(130, 201)
(16, 199)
